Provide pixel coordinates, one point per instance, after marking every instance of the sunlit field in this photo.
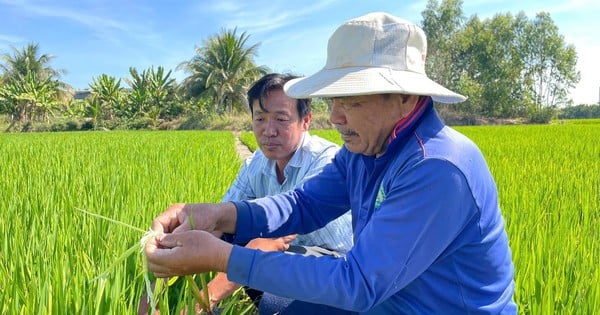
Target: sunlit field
(548, 179)
(50, 250)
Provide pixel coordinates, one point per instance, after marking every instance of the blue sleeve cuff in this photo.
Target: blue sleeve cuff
(243, 216)
(240, 264)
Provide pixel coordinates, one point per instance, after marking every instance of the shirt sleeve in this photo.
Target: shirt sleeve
(240, 189)
(424, 210)
(317, 164)
(337, 234)
(321, 199)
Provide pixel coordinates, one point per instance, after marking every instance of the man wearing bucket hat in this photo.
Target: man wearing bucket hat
(429, 236)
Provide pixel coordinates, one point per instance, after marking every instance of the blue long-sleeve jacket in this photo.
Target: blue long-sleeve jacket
(428, 232)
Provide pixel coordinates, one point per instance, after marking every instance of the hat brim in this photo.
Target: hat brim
(354, 81)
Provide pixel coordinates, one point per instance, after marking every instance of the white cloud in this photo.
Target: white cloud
(102, 27)
(89, 20)
(573, 6)
(588, 89)
(10, 39)
(265, 16)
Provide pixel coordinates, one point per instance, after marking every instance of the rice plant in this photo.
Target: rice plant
(548, 180)
(50, 251)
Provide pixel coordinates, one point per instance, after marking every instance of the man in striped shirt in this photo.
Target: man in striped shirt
(287, 156)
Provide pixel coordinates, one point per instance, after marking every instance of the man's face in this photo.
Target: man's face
(365, 122)
(278, 130)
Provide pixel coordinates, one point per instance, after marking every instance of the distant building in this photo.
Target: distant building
(81, 94)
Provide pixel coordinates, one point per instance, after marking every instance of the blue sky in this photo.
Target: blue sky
(91, 37)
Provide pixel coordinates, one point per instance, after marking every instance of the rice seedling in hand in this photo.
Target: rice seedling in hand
(159, 292)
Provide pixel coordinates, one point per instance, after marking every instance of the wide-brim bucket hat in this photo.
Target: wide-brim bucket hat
(373, 54)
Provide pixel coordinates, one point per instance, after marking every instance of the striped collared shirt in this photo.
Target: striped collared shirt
(257, 178)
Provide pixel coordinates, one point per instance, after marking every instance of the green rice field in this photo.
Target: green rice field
(548, 179)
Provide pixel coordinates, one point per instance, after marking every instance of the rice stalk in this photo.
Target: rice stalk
(203, 301)
(111, 220)
(148, 235)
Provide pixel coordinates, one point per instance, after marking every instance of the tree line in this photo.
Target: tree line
(509, 66)
(218, 75)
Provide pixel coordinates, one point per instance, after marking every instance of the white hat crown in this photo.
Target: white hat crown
(378, 40)
(373, 54)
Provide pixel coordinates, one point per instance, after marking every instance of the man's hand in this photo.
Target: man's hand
(173, 218)
(220, 287)
(272, 244)
(207, 217)
(185, 253)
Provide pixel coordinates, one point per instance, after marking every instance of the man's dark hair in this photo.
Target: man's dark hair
(273, 82)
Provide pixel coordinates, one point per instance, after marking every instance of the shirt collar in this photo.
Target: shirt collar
(295, 161)
(405, 124)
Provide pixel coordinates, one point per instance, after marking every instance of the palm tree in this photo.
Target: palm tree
(108, 92)
(138, 96)
(27, 77)
(150, 92)
(223, 69)
(27, 60)
(162, 88)
(30, 98)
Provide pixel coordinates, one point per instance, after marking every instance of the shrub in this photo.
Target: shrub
(542, 116)
(88, 124)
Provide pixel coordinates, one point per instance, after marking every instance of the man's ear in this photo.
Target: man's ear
(306, 121)
(409, 98)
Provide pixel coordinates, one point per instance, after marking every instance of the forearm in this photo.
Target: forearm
(218, 217)
(226, 217)
(219, 288)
